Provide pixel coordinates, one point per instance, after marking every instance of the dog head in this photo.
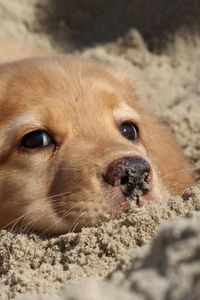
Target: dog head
(77, 145)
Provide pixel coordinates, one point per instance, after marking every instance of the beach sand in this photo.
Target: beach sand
(152, 252)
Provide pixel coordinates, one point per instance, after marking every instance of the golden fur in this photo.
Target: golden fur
(59, 188)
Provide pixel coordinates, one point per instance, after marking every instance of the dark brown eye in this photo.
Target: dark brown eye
(36, 139)
(129, 131)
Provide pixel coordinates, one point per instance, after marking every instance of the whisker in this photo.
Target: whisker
(77, 221)
(70, 210)
(36, 208)
(179, 171)
(62, 218)
(15, 221)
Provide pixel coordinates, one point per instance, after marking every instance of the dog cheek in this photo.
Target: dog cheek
(18, 191)
(81, 198)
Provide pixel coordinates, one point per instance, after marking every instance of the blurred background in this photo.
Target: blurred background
(69, 24)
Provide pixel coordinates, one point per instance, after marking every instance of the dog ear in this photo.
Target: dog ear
(160, 143)
(166, 154)
(123, 71)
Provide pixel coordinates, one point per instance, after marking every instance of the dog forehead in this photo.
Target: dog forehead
(76, 80)
(59, 91)
(68, 81)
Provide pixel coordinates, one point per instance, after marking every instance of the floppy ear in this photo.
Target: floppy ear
(167, 155)
(123, 71)
(132, 78)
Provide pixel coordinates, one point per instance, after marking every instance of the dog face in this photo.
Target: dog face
(76, 146)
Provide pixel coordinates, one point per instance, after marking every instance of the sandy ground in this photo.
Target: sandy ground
(152, 252)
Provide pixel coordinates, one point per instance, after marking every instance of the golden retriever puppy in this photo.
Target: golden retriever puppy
(76, 144)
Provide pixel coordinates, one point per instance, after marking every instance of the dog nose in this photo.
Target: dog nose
(132, 174)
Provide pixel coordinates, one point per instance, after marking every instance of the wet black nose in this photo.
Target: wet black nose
(132, 174)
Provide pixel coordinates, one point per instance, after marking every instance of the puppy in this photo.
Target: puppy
(76, 144)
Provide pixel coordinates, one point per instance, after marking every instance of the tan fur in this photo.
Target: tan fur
(81, 104)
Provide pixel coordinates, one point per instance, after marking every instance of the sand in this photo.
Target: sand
(152, 252)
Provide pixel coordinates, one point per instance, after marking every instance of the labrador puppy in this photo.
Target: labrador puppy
(76, 144)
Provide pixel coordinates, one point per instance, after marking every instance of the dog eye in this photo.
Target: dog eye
(129, 131)
(36, 139)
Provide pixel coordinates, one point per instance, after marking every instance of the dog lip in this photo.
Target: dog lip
(119, 207)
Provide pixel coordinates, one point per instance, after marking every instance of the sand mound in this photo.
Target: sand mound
(30, 263)
(131, 257)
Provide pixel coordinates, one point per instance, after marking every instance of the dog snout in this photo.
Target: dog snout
(132, 174)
